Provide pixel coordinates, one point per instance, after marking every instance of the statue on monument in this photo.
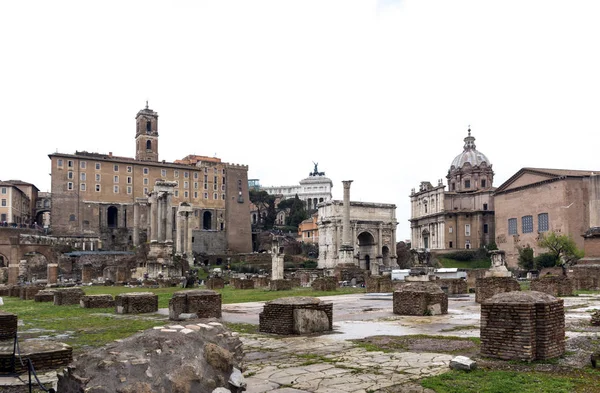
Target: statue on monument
(316, 172)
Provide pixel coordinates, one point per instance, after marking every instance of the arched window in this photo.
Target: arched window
(148, 145)
(148, 126)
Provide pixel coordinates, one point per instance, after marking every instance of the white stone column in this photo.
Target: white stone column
(189, 233)
(153, 218)
(169, 218)
(178, 232)
(346, 242)
(160, 219)
(594, 197)
(380, 239)
(136, 224)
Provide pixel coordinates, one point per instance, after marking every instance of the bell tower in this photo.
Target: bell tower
(146, 135)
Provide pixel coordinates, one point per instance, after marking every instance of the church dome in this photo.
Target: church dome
(469, 155)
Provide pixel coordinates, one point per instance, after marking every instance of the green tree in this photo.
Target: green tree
(562, 248)
(526, 260)
(265, 206)
(294, 209)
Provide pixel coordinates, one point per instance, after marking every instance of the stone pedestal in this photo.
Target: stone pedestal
(296, 315)
(420, 299)
(97, 301)
(52, 273)
(136, 303)
(487, 287)
(203, 303)
(68, 296)
(13, 273)
(46, 295)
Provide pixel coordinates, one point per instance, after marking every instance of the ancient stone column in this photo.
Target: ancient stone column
(380, 239)
(169, 214)
(276, 261)
(346, 241)
(179, 233)
(393, 250)
(136, 224)
(52, 273)
(153, 218)
(161, 219)
(594, 206)
(13, 273)
(189, 232)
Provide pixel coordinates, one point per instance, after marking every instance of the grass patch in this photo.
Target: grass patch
(414, 343)
(247, 328)
(476, 264)
(485, 381)
(586, 292)
(459, 328)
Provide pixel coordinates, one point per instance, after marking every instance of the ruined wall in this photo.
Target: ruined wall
(29, 292)
(209, 242)
(522, 326)
(215, 283)
(420, 299)
(97, 301)
(453, 286)
(237, 209)
(280, 285)
(487, 287)
(325, 284)
(239, 283)
(68, 296)
(553, 285)
(379, 284)
(346, 272)
(8, 325)
(136, 303)
(203, 303)
(585, 277)
(279, 318)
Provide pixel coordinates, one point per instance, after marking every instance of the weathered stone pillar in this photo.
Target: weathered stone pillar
(161, 219)
(189, 232)
(380, 239)
(276, 261)
(178, 233)
(169, 217)
(594, 197)
(52, 273)
(346, 242)
(153, 218)
(136, 224)
(13, 273)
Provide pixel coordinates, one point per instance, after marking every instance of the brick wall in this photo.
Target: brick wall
(278, 318)
(215, 283)
(8, 325)
(553, 285)
(346, 272)
(280, 285)
(97, 301)
(46, 295)
(239, 283)
(522, 326)
(325, 284)
(45, 356)
(379, 284)
(453, 286)
(473, 275)
(585, 277)
(591, 246)
(487, 287)
(28, 292)
(417, 298)
(136, 303)
(204, 303)
(68, 296)
(237, 209)
(261, 282)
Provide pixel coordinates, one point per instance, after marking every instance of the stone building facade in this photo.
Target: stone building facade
(535, 201)
(463, 216)
(101, 195)
(372, 234)
(17, 202)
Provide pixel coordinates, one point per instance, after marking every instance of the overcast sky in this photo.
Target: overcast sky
(379, 92)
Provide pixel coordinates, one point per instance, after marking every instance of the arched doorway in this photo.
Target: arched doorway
(366, 248)
(3, 261)
(112, 216)
(207, 220)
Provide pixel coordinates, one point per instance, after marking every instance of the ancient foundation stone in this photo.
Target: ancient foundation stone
(97, 301)
(379, 284)
(68, 296)
(261, 282)
(522, 326)
(203, 303)
(46, 295)
(280, 285)
(296, 315)
(487, 287)
(325, 284)
(239, 283)
(420, 298)
(44, 354)
(8, 325)
(215, 283)
(453, 286)
(553, 285)
(29, 292)
(136, 303)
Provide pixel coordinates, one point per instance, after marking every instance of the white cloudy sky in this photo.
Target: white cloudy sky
(380, 92)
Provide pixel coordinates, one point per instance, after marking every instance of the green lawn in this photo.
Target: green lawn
(81, 327)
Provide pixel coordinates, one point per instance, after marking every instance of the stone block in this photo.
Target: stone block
(308, 321)
(8, 325)
(97, 301)
(553, 285)
(136, 303)
(215, 283)
(46, 295)
(204, 303)
(463, 363)
(420, 298)
(280, 316)
(487, 287)
(68, 296)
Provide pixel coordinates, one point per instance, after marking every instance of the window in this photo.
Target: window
(148, 145)
(176, 173)
(129, 179)
(215, 169)
(82, 164)
(116, 189)
(72, 217)
(148, 126)
(450, 245)
(70, 164)
(98, 177)
(116, 168)
(223, 170)
(146, 181)
(82, 187)
(224, 180)
(3, 202)
(485, 206)
(205, 178)
(223, 196)
(3, 217)
(206, 186)
(195, 175)
(206, 195)
(485, 228)
(215, 186)
(468, 244)
(543, 222)
(215, 180)
(205, 170)
(185, 194)
(97, 166)
(129, 189)
(195, 185)
(195, 194)
(453, 186)
(116, 179)
(69, 186)
(69, 175)
(177, 193)
(482, 182)
(467, 183)
(449, 229)
(512, 226)
(467, 229)
(97, 187)
(223, 188)
(527, 223)
(215, 196)
(186, 174)
(4, 190)
(163, 172)
(186, 185)
(145, 191)
(82, 176)
(59, 163)
(129, 169)
(177, 183)
(145, 171)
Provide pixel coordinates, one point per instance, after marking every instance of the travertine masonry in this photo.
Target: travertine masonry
(204, 303)
(487, 287)
(68, 296)
(136, 303)
(420, 298)
(281, 316)
(97, 301)
(553, 285)
(522, 326)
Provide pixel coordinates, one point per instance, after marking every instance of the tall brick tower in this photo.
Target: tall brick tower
(146, 135)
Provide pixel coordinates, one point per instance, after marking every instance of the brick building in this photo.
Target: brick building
(463, 216)
(534, 201)
(17, 202)
(93, 195)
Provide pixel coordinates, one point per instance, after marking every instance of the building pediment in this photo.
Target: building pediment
(531, 176)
